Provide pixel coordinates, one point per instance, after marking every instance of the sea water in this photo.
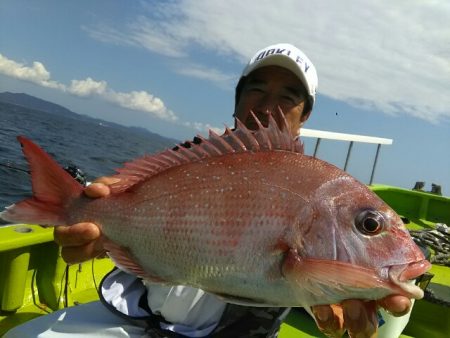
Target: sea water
(96, 147)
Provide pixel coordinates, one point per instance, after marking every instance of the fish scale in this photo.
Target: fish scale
(245, 215)
(201, 236)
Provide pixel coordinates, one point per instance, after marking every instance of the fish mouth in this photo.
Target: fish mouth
(403, 277)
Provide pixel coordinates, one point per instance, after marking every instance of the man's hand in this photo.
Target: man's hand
(358, 317)
(83, 241)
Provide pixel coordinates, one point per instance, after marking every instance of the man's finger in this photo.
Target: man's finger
(96, 190)
(396, 305)
(329, 319)
(73, 255)
(107, 180)
(76, 235)
(100, 187)
(360, 318)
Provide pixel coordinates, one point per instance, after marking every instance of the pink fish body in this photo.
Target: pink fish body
(246, 216)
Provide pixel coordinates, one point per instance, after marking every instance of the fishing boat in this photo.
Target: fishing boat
(34, 280)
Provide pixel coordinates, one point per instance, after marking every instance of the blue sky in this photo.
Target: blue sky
(171, 66)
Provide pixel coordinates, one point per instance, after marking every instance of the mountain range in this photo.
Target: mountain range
(34, 103)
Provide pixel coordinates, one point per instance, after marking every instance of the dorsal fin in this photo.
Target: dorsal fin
(270, 138)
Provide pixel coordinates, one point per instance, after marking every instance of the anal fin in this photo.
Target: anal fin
(125, 260)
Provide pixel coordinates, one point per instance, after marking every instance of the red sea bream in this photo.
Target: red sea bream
(246, 216)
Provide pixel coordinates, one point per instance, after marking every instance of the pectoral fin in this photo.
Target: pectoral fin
(325, 278)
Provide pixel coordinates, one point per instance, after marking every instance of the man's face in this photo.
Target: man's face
(268, 88)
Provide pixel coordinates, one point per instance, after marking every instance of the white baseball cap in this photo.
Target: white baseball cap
(291, 58)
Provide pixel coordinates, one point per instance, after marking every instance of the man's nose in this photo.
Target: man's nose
(266, 105)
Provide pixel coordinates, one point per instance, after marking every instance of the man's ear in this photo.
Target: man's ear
(304, 117)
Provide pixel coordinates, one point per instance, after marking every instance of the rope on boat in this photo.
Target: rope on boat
(438, 239)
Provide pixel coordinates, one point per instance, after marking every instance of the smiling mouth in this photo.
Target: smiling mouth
(251, 124)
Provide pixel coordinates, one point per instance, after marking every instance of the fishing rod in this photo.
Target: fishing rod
(74, 171)
(10, 166)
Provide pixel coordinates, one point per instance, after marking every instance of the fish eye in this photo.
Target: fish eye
(369, 222)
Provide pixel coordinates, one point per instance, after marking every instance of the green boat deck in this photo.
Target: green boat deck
(34, 280)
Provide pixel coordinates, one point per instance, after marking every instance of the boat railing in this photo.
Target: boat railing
(351, 138)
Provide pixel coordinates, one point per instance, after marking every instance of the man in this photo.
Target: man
(277, 77)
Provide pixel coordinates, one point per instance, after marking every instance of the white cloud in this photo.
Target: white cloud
(36, 73)
(135, 100)
(206, 73)
(392, 56)
(203, 127)
(140, 33)
(108, 34)
(87, 87)
(142, 101)
(157, 37)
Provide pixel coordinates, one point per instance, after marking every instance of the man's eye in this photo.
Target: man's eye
(255, 89)
(289, 99)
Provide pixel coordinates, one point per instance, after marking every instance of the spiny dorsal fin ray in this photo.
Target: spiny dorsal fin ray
(262, 137)
(240, 140)
(233, 140)
(246, 136)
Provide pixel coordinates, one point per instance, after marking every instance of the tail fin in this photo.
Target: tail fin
(53, 189)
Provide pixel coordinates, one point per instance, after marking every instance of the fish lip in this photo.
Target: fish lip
(403, 277)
